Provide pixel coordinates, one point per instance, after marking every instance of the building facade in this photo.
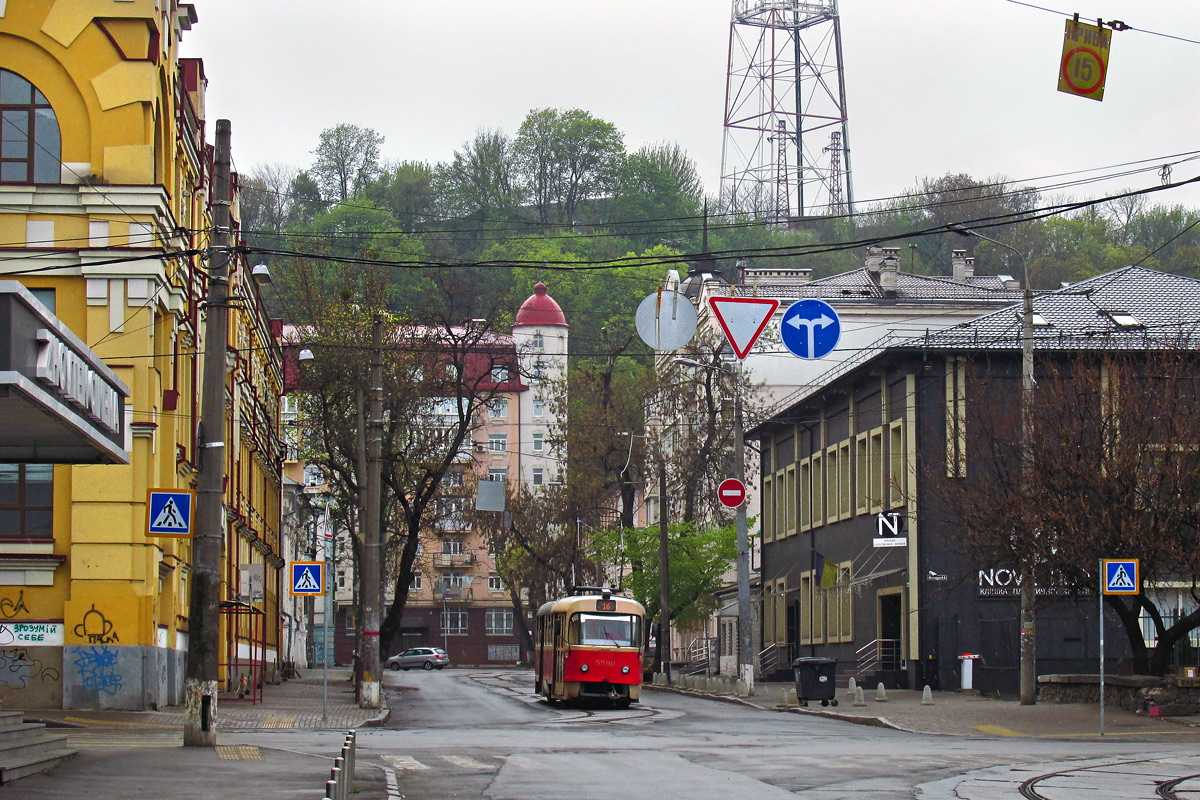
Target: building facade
(864, 562)
(105, 180)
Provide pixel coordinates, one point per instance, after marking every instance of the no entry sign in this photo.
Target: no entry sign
(731, 493)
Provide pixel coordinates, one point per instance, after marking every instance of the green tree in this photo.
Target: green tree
(347, 159)
(658, 196)
(566, 158)
(407, 192)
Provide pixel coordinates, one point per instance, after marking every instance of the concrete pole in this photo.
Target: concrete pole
(1029, 572)
(664, 574)
(204, 619)
(369, 696)
(745, 613)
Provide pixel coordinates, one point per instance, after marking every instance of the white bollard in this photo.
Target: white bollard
(880, 693)
(858, 696)
(851, 686)
(926, 696)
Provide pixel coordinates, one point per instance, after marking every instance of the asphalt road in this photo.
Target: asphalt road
(465, 733)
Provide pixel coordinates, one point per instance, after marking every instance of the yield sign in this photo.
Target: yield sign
(743, 319)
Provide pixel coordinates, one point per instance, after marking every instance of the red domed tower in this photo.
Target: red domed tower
(540, 310)
(540, 334)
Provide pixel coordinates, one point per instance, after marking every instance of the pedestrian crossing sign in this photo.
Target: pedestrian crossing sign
(1121, 576)
(169, 513)
(308, 578)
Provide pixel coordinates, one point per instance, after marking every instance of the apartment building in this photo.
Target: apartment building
(105, 201)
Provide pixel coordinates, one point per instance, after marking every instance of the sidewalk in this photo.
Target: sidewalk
(140, 754)
(968, 714)
(295, 704)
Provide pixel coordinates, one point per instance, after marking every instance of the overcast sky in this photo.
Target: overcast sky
(933, 86)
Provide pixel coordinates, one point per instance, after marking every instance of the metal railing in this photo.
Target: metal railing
(698, 656)
(774, 657)
(880, 654)
(341, 777)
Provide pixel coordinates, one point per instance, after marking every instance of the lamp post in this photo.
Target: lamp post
(1028, 679)
(745, 611)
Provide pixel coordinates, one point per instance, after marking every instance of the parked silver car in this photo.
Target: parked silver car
(423, 657)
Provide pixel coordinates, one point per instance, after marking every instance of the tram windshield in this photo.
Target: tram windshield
(619, 630)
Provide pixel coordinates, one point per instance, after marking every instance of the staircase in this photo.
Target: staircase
(27, 749)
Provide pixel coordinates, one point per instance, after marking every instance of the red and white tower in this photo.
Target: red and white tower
(785, 92)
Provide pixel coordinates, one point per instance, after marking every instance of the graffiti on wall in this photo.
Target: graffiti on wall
(98, 669)
(18, 668)
(96, 628)
(9, 608)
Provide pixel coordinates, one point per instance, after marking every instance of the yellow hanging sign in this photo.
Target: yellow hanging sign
(1084, 62)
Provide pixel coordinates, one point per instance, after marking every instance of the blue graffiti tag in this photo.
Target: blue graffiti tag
(98, 669)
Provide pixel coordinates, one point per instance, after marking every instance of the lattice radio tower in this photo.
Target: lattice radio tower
(785, 92)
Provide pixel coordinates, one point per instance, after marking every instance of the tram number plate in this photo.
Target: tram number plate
(606, 605)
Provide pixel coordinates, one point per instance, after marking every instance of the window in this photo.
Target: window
(452, 478)
(499, 622)
(313, 476)
(498, 474)
(538, 439)
(454, 621)
(498, 408)
(494, 583)
(26, 158)
(539, 341)
(452, 545)
(896, 459)
(45, 297)
(537, 476)
(454, 579)
(498, 442)
(499, 373)
(341, 580)
(27, 501)
(416, 582)
(539, 408)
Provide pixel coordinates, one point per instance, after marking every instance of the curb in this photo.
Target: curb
(381, 719)
(854, 719)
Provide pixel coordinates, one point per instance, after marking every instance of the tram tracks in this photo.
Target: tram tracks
(1042, 787)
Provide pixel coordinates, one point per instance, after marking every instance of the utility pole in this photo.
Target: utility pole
(204, 621)
(745, 613)
(664, 575)
(1028, 601)
(369, 697)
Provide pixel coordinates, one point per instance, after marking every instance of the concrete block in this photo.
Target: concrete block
(742, 688)
(858, 697)
(926, 696)
(851, 686)
(880, 693)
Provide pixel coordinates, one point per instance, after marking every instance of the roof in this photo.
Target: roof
(1131, 309)
(862, 285)
(540, 310)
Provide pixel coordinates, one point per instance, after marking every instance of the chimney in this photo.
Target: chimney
(874, 258)
(888, 269)
(958, 265)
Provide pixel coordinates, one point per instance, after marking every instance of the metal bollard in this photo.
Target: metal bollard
(331, 790)
(338, 773)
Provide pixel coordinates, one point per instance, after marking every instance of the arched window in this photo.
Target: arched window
(30, 145)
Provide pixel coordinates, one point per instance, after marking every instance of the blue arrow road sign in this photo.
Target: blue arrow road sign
(1121, 576)
(170, 513)
(810, 328)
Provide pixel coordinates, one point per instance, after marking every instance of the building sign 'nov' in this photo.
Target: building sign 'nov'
(1004, 582)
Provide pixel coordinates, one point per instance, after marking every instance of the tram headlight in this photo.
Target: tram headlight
(625, 670)
(583, 668)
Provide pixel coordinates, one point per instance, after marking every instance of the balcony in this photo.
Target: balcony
(453, 559)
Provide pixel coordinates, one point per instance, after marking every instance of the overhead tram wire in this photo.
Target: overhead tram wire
(1125, 28)
(1020, 186)
(781, 251)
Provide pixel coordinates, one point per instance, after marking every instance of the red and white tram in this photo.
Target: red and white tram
(590, 646)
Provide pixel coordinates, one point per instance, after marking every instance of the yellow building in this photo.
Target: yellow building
(105, 217)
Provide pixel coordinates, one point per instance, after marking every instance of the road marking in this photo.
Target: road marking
(393, 786)
(279, 722)
(466, 762)
(404, 762)
(238, 753)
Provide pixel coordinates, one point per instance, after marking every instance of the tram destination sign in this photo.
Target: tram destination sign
(606, 605)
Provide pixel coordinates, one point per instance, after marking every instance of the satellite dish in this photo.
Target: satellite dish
(666, 320)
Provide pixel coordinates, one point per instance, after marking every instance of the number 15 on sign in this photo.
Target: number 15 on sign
(1084, 63)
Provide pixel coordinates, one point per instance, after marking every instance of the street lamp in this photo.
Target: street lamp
(1028, 678)
(745, 613)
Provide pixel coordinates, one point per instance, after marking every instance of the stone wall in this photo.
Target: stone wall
(1170, 696)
